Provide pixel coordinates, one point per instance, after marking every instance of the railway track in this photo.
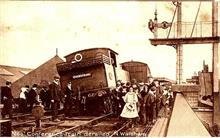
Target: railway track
(65, 127)
(148, 129)
(103, 126)
(120, 130)
(22, 119)
(127, 131)
(27, 127)
(20, 115)
(112, 128)
(87, 126)
(72, 131)
(31, 119)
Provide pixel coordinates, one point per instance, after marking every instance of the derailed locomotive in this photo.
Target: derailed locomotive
(93, 73)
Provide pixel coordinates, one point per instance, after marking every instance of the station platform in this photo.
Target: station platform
(184, 122)
(160, 127)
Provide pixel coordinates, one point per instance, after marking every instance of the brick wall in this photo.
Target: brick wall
(190, 93)
(192, 98)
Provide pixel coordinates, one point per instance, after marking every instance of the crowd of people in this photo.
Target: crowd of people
(142, 102)
(49, 97)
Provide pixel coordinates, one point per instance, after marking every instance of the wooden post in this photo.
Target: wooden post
(215, 67)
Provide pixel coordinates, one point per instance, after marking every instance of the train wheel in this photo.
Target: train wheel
(107, 105)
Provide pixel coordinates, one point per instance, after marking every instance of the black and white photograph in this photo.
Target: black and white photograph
(110, 68)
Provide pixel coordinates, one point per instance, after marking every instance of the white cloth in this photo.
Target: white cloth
(130, 108)
(69, 86)
(22, 94)
(56, 82)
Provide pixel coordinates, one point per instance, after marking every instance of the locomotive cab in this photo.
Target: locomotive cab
(93, 73)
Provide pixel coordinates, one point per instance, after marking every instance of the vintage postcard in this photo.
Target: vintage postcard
(110, 68)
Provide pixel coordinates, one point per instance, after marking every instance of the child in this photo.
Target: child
(130, 109)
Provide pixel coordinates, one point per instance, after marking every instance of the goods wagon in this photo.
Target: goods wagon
(137, 70)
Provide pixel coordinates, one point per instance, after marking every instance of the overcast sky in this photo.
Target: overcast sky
(31, 31)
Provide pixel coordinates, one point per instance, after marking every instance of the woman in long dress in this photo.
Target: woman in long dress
(130, 109)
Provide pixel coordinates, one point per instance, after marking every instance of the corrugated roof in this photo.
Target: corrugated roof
(11, 73)
(2, 81)
(24, 72)
(5, 72)
(44, 72)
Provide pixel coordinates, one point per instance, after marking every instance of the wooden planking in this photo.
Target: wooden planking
(159, 129)
(208, 83)
(202, 83)
(205, 80)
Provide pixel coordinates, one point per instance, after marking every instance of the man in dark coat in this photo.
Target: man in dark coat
(151, 83)
(7, 98)
(48, 99)
(55, 93)
(43, 96)
(150, 105)
(142, 113)
(68, 100)
(32, 96)
(159, 93)
(117, 93)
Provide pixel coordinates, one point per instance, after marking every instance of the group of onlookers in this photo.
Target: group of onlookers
(142, 102)
(27, 98)
(50, 97)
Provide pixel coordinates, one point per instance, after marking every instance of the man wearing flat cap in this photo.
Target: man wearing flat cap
(55, 93)
(6, 99)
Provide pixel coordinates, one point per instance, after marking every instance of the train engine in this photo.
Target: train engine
(93, 73)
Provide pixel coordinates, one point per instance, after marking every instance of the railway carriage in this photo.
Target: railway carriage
(93, 73)
(137, 70)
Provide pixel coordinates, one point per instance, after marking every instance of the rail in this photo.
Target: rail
(117, 132)
(30, 121)
(74, 128)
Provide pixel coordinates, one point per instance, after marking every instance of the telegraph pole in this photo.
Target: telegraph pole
(179, 47)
